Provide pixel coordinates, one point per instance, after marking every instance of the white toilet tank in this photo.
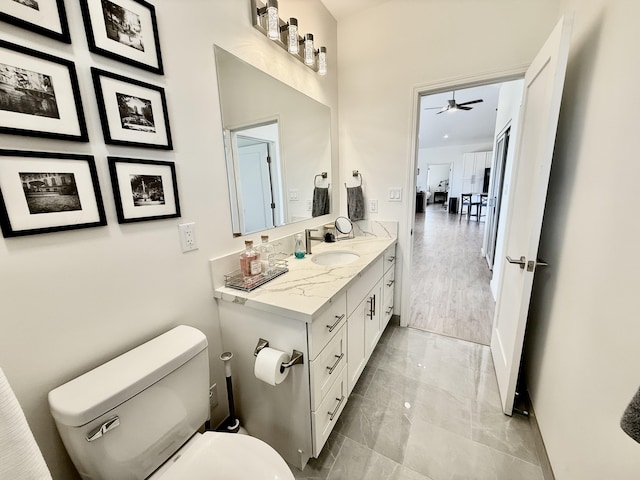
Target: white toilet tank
(123, 419)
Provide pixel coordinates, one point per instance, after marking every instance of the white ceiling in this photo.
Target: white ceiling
(343, 8)
(462, 127)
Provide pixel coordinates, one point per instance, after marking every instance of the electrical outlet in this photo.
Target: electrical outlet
(373, 206)
(293, 195)
(188, 236)
(213, 395)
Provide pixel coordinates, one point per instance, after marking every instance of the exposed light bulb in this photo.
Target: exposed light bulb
(273, 21)
(294, 45)
(309, 50)
(322, 61)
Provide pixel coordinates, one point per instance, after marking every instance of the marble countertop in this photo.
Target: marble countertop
(307, 288)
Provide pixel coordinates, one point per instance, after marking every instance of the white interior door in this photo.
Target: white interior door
(255, 187)
(534, 145)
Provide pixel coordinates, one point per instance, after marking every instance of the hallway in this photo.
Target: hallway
(450, 292)
(426, 408)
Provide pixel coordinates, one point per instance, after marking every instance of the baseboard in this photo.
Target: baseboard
(545, 464)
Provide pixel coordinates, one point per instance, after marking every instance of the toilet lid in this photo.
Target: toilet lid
(225, 456)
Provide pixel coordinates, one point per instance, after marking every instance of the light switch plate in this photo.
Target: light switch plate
(395, 194)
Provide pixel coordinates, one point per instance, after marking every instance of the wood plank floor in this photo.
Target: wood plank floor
(450, 292)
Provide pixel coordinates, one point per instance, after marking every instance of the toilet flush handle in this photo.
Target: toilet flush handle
(102, 429)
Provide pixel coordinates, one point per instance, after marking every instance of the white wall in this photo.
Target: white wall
(73, 300)
(418, 47)
(582, 348)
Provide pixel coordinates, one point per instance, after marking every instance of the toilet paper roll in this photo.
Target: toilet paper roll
(267, 367)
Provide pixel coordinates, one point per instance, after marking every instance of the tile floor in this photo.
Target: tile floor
(426, 408)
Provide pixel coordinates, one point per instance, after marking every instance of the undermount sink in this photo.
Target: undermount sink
(335, 258)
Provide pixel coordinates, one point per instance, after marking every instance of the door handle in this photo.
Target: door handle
(522, 262)
(541, 263)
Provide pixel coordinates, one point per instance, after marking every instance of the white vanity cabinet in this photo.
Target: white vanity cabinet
(388, 284)
(364, 299)
(334, 316)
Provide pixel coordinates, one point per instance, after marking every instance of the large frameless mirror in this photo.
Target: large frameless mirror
(276, 141)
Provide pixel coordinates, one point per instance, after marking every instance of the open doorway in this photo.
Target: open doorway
(451, 277)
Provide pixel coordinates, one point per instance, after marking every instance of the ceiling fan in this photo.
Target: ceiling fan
(452, 105)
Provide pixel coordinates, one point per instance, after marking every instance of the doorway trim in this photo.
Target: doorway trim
(429, 88)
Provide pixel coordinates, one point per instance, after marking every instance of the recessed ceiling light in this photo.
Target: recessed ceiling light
(446, 136)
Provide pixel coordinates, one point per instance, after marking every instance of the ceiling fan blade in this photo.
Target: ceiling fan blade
(432, 108)
(471, 102)
(464, 108)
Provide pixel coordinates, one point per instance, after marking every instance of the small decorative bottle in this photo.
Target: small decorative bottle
(249, 261)
(267, 256)
(299, 250)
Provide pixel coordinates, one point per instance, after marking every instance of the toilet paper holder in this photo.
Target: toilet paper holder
(296, 356)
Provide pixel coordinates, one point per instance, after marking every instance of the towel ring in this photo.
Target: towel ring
(315, 179)
(355, 173)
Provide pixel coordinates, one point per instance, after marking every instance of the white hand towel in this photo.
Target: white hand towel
(20, 457)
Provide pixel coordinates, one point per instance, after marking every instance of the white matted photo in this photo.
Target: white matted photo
(44, 192)
(39, 95)
(46, 17)
(144, 189)
(125, 30)
(132, 112)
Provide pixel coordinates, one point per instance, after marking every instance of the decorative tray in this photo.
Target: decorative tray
(236, 280)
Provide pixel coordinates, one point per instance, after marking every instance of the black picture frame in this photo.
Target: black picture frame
(43, 192)
(144, 189)
(132, 112)
(39, 95)
(38, 16)
(110, 39)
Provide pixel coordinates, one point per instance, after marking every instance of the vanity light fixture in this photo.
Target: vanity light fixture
(292, 36)
(273, 20)
(322, 61)
(285, 34)
(309, 50)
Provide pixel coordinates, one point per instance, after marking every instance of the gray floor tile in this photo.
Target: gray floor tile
(508, 467)
(319, 468)
(356, 461)
(510, 435)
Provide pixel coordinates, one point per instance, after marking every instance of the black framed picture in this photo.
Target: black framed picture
(46, 17)
(125, 30)
(44, 192)
(132, 112)
(39, 95)
(144, 189)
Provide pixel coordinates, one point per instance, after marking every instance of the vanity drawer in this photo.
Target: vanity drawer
(325, 327)
(389, 257)
(387, 296)
(327, 367)
(326, 416)
(363, 285)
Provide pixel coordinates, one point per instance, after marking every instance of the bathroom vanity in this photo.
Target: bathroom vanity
(334, 313)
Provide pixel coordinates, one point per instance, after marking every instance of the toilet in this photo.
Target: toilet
(140, 416)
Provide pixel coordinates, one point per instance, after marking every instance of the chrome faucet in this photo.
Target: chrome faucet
(308, 238)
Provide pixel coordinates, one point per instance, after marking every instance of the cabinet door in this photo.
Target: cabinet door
(356, 358)
(373, 317)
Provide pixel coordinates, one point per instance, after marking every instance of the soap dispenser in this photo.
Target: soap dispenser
(299, 249)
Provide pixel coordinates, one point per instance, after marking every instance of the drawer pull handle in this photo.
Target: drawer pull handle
(391, 259)
(339, 357)
(390, 309)
(338, 320)
(391, 283)
(335, 410)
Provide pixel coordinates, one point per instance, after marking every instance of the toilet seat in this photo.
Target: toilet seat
(224, 456)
